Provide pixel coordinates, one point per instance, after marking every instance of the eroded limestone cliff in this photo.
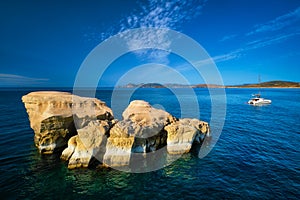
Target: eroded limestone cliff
(85, 127)
(51, 117)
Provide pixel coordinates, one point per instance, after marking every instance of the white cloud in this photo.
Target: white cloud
(16, 80)
(228, 56)
(278, 23)
(228, 37)
(269, 41)
(219, 58)
(159, 14)
(164, 14)
(249, 46)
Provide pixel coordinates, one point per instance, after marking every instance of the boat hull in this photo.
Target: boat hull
(259, 101)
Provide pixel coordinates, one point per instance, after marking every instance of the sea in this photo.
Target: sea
(257, 154)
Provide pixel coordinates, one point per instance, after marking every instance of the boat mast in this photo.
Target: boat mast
(259, 85)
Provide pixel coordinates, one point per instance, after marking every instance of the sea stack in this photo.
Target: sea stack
(86, 129)
(52, 120)
(140, 131)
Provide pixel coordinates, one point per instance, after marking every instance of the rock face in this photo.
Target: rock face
(140, 131)
(118, 148)
(146, 124)
(183, 133)
(86, 126)
(51, 116)
(88, 144)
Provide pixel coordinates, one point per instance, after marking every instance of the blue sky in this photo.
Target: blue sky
(43, 43)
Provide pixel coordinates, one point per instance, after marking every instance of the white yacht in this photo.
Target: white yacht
(258, 100)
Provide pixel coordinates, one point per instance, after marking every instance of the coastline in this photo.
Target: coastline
(269, 84)
(264, 87)
(226, 87)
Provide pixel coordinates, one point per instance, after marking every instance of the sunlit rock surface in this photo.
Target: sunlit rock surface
(88, 144)
(86, 127)
(51, 116)
(140, 131)
(183, 133)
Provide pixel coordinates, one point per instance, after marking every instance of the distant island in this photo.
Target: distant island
(269, 84)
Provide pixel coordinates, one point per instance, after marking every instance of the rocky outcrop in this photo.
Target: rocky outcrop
(88, 144)
(183, 133)
(146, 124)
(118, 148)
(86, 126)
(140, 131)
(52, 115)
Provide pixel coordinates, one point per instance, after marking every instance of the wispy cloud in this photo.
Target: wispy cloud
(270, 41)
(278, 23)
(275, 24)
(16, 80)
(264, 42)
(228, 56)
(228, 37)
(217, 59)
(159, 14)
(165, 14)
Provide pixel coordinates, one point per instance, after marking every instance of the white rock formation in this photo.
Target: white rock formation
(87, 127)
(51, 116)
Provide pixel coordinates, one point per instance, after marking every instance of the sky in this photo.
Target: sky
(44, 43)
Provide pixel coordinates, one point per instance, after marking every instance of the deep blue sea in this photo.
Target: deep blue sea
(256, 157)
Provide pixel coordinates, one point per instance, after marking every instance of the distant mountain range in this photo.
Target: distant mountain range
(269, 84)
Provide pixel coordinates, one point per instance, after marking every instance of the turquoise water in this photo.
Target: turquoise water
(257, 155)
